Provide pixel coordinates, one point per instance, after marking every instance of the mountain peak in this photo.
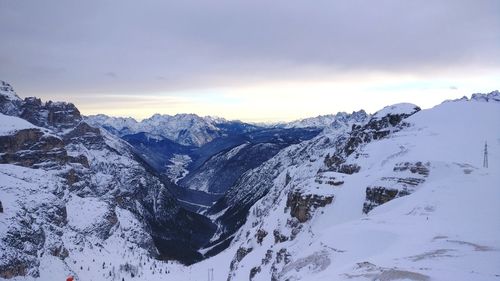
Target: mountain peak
(183, 128)
(490, 97)
(493, 96)
(7, 91)
(396, 109)
(330, 121)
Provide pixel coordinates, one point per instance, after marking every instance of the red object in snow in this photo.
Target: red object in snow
(70, 278)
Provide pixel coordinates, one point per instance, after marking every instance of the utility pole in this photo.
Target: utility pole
(485, 161)
(210, 274)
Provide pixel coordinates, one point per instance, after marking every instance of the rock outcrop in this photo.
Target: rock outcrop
(408, 176)
(302, 205)
(34, 148)
(384, 122)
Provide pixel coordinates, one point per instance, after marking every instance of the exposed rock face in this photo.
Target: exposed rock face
(260, 235)
(85, 134)
(28, 139)
(322, 178)
(9, 101)
(34, 148)
(15, 268)
(278, 237)
(254, 272)
(388, 188)
(414, 168)
(58, 116)
(283, 257)
(379, 195)
(302, 205)
(60, 252)
(349, 169)
(238, 257)
(383, 123)
(32, 228)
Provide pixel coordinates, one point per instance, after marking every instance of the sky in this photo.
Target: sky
(259, 61)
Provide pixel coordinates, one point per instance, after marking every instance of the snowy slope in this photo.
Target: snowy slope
(12, 124)
(431, 234)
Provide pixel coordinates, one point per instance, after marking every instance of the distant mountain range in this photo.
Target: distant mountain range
(193, 130)
(185, 129)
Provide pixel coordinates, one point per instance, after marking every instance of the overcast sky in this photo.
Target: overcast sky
(250, 60)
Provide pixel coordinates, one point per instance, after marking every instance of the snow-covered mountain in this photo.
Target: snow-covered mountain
(54, 167)
(490, 97)
(402, 197)
(185, 129)
(233, 157)
(398, 195)
(328, 122)
(203, 171)
(230, 211)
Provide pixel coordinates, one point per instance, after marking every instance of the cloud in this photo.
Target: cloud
(77, 48)
(111, 74)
